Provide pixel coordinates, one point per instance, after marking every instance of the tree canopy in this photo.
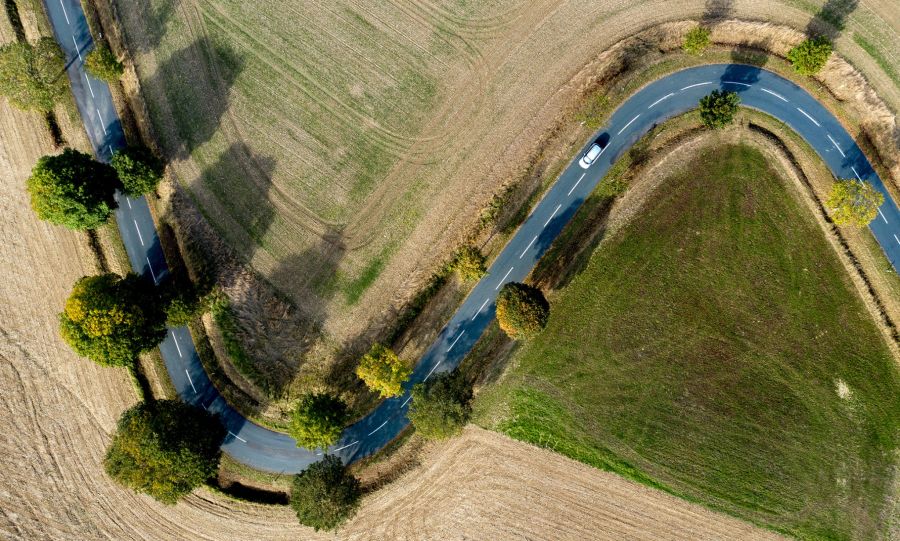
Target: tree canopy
(165, 448)
(103, 64)
(325, 495)
(810, 56)
(72, 189)
(469, 263)
(717, 110)
(182, 301)
(383, 371)
(111, 319)
(441, 406)
(33, 77)
(522, 310)
(696, 40)
(138, 169)
(853, 202)
(318, 420)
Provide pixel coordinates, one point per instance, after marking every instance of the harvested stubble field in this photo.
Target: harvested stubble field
(714, 346)
(329, 144)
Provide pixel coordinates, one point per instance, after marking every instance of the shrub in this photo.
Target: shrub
(717, 110)
(469, 263)
(811, 55)
(696, 41)
(165, 449)
(441, 406)
(383, 371)
(853, 202)
(111, 319)
(522, 310)
(318, 420)
(138, 170)
(33, 77)
(325, 495)
(103, 64)
(72, 189)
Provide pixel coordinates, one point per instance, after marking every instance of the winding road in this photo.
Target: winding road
(672, 95)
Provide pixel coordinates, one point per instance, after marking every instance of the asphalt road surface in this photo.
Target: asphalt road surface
(677, 93)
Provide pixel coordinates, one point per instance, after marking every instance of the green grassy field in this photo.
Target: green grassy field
(715, 348)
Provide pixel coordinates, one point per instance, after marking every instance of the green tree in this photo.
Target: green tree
(103, 64)
(325, 495)
(138, 169)
(165, 448)
(111, 319)
(696, 41)
(811, 55)
(182, 301)
(318, 420)
(441, 406)
(383, 371)
(717, 110)
(72, 189)
(853, 202)
(522, 310)
(33, 78)
(469, 263)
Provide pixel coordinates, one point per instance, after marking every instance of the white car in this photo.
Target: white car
(590, 156)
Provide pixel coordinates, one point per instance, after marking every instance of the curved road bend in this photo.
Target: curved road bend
(672, 95)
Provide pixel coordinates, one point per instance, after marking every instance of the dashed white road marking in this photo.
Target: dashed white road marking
(811, 119)
(629, 124)
(77, 50)
(480, 309)
(572, 189)
(855, 172)
(377, 429)
(88, 81)
(776, 94)
(667, 96)
(237, 437)
(882, 215)
(896, 239)
(527, 247)
(102, 123)
(190, 380)
(504, 278)
(136, 228)
(152, 274)
(65, 13)
(127, 200)
(833, 142)
(455, 341)
(695, 85)
(405, 402)
(559, 206)
(344, 447)
(175, 339)
(433, 368)
(736, 83)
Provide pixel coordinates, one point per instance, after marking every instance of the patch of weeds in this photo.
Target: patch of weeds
(225, 319)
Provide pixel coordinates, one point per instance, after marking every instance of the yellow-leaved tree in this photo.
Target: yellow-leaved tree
(853, 202)
(383, 371)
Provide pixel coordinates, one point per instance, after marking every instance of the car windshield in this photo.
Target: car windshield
(593, 152)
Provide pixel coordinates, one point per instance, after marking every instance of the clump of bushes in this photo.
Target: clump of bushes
(318, 420)
(810, 56)
(182, 301)
(103, 64)
(325, 495)
(469, 263)
(696, 41)
(717, 110)
(441, 406)
(165, 448)
(383, 371)
(139, 170)
(522, 310)
(31, 75)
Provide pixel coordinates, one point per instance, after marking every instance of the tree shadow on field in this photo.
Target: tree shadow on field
(155, 17)
(831, 19)
(196, 82)
(637, 53)
(716, 11)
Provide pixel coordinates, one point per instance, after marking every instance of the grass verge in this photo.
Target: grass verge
(716, 348)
